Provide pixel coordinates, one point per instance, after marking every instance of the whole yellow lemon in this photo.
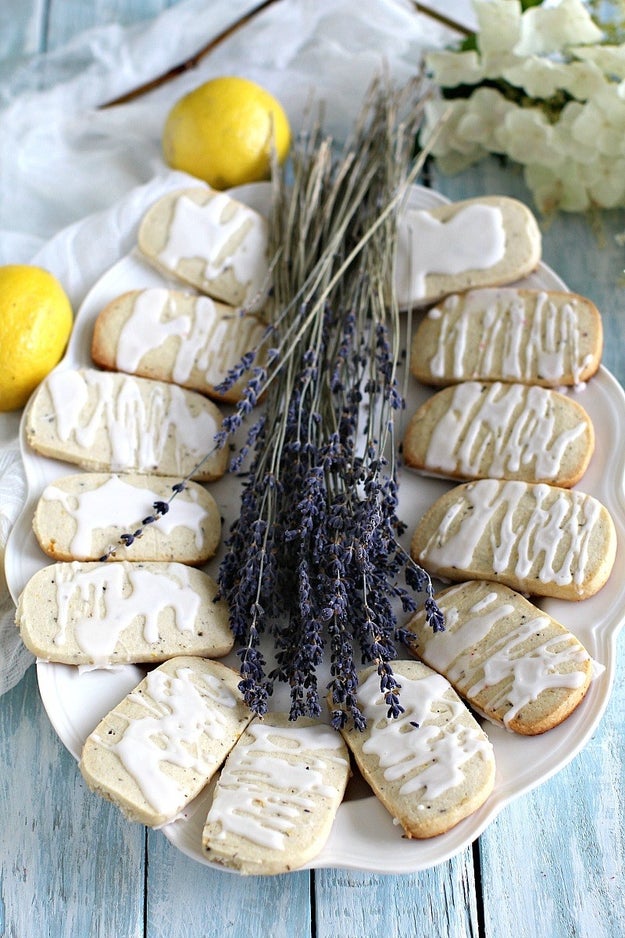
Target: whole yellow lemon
(223, 132)
(35, 322)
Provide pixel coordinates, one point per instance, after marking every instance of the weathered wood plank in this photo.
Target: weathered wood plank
(569, 834)
(69, 863)
(211, 902)
(437, 903)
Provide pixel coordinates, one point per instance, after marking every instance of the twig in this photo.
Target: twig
(441, 18)
(192, 62)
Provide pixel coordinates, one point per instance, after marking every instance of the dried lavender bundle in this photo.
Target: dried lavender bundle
(313, 560)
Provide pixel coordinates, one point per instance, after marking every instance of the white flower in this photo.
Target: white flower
(606, 181)
(450, 69)
(610, 59)
(568, 138)
(499, 24)
(542, 77)
(440, 129)
(527, 137)
(550, 29)
(554, 190)
(484, 113)
(594, 127)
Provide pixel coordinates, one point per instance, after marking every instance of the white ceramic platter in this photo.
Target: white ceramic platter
(364, 835)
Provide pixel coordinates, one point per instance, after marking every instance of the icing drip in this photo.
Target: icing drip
(472, 239)
(469, 437)
(427, 756)
(556, 521)
(207, 340)
(114, 503)
(218, 225)
(104, 601)
(519, 337)
(261, 795)
(176, 715)
(522, 674)
(139, 427)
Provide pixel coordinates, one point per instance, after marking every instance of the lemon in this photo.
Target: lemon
(35, 323)
(223, 131)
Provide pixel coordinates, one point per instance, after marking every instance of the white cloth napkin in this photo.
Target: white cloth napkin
(75, 179)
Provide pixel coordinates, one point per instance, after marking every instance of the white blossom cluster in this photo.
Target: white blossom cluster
(557, 106)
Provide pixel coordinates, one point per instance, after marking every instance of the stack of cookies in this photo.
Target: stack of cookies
(125, 586)
(501, 426)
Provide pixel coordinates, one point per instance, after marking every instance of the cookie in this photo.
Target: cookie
(169, 335)
(478, 430)
(105, 421)
(539, 539)
(81, 516)
(433, 765)
(158, 748)
(209, 241)
(548, 338)
(277, 795)
(512, 662)
(107, 614)
(487, 241)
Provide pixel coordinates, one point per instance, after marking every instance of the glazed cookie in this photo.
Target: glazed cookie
(509, 660)
(276, 798)
(210, 241)
(169, 335)
(106, 614)
(478, 430)
(106, 421)
(431, 766)
(488, 241)
(81, 516)
(539, 539)
(540, 337)
(162, 744)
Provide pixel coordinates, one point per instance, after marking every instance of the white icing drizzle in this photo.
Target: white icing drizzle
(472, 239)
(523, 675)
(515, 339)
(498, 430)
(176, 717)
(139, 426)
(526, 547)
(201, 231)
(114, 502)
(208, 340)
(102, 602)
(262, 796)
(427, 756)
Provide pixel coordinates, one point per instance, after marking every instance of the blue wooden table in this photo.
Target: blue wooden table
(552, 864)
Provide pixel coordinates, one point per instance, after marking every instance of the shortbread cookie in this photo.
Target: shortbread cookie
(81, 516)
(105, 421)
(277, 796)
(531, 336)
(106, 614)
(539, 539)
(509, 660)
(431, 766)
(481, 242)
(169, 335)
(162, 744)
(210, 241)
(477, 430)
